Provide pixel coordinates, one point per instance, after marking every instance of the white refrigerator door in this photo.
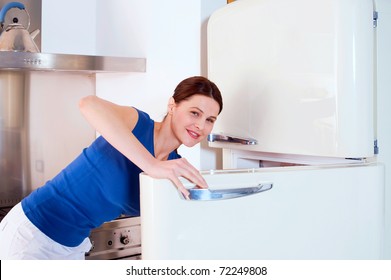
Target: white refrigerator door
(309, 213)
(296, 75)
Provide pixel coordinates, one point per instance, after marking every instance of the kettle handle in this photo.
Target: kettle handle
(8, 6)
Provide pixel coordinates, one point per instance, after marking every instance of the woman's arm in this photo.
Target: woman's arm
(115, 123)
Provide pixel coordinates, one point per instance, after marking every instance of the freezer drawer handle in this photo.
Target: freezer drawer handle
(210, 194)
(213, 137)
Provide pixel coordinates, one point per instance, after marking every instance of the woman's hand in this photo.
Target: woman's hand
(173, 169)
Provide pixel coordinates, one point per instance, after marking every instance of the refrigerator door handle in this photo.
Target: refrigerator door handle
(213, 137)
(210, 194)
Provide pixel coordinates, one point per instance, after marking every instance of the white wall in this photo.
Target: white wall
(57, 130)
(68, 26)
(169, 35)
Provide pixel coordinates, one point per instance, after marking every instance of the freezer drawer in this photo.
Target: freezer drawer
(305, 213)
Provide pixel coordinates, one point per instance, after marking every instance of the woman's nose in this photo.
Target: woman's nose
(200, 124)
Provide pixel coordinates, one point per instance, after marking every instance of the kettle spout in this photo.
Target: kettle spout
(34, 33)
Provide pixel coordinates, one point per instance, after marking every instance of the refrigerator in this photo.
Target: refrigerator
(302, 176)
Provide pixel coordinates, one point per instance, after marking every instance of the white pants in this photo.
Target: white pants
(20, 239)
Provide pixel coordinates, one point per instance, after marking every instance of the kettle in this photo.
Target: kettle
(15, 36)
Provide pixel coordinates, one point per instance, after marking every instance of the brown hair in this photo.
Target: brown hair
(197, 85)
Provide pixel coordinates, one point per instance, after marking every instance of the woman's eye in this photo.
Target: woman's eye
(195, 113)
(210, 120)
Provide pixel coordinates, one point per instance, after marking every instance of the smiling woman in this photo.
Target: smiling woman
(191, 110)
(55, 220)
(194, 117)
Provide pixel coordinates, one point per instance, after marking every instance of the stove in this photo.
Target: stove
(117, 239)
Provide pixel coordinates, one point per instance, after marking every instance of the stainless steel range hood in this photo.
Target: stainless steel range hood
(10, 60)
(68, 62)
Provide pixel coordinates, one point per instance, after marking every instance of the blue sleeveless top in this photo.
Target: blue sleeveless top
(98, 186)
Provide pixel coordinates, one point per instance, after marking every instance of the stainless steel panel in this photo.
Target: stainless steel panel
(67, 62)
(14, 172)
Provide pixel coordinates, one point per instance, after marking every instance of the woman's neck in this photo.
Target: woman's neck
(164, 141)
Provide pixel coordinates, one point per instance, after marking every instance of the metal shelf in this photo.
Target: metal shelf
(69, 62)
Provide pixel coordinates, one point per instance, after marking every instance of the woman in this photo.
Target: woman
(102, 183)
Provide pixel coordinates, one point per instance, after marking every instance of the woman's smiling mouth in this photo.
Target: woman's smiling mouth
(193, 134)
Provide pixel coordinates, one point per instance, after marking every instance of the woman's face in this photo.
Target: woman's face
(193, 119)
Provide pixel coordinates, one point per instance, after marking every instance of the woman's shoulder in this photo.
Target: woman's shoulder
(142, 115)
(143, 120)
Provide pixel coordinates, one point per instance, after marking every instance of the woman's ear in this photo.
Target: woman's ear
(171, 104)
